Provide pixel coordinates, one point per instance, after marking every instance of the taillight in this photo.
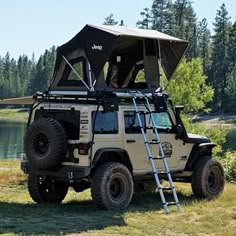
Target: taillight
(84, 148)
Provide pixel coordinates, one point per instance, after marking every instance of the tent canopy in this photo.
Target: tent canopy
(104, 43)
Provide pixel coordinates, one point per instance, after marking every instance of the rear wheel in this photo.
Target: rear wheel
(112, 186)
(208, 178)
(46, 190)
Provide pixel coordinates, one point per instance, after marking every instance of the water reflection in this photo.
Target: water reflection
(11, 138)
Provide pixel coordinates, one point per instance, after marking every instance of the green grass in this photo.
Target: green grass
(77, 215)
(14, 114)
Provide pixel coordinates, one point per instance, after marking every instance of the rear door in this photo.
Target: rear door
(106, 130)
(133, 140)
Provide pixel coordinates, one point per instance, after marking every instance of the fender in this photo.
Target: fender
(111, 154)
(198, 151)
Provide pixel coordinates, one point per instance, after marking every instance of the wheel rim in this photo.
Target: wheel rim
(214, 179)
(116, 188)
(40, 143)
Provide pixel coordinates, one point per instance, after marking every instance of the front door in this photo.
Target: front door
(170, 145)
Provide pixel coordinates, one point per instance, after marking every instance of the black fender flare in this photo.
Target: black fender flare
(121, 156)
(198, 151)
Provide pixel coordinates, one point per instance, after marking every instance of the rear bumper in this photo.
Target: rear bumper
(69, 173)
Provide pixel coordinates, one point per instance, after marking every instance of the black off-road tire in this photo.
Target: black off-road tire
(112, 186)
(208, 178)
(46, 190)
(45, 143)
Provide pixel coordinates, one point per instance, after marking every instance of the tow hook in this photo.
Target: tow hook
(70, 177)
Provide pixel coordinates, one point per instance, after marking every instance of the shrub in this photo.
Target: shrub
(216, 135)
(229, 163)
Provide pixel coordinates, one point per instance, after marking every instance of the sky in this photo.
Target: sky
(28, 26)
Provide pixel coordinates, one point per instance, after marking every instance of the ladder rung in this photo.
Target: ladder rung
(157, 158)
(139, 112)
(149, 112)
(172, 203)
(154, 142)
(167, 188)
(152, 127)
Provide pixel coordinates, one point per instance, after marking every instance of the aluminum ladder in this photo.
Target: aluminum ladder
(162, 157)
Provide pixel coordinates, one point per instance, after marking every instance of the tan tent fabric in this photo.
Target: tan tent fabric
(17, 101)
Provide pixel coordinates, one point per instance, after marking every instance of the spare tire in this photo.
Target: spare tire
(45, 143)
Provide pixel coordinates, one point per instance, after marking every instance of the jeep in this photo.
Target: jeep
(86, 132)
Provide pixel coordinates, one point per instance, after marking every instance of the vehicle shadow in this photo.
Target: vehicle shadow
(73, 217)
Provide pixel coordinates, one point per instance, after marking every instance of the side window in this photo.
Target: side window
(106, 122)
(162, 120)
(131, 122)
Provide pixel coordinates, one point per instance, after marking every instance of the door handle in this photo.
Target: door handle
(130, 141)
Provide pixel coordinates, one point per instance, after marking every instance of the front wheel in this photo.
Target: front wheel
(46, 190)
(112, 186)
(208, 178)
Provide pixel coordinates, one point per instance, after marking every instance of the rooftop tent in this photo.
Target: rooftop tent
(126, 49)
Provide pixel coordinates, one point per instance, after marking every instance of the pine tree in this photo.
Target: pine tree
(232, 47)
(1, 78)
(161, 15)
(145, 23)
(184, 24)
(230, 98)
(42, 72)
(204, 44)
(110, 20)
(24, 72)
(220, 63)
(7, 76)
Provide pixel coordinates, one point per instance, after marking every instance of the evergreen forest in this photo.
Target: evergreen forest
(214, 51)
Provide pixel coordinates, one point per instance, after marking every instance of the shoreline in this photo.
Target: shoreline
(14, 114)
(224, 121)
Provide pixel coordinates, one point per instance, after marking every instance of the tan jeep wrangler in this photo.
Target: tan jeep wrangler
(90, 129)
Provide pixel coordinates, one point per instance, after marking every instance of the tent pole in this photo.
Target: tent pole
(91, 84)
(159, 61)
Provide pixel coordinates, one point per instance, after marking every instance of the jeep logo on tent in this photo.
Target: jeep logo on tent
(96, 47)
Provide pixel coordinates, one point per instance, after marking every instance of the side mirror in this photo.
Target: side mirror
(178, 109)
(179, 131)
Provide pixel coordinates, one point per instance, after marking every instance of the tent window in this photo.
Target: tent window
(70, 78)
(78, 67)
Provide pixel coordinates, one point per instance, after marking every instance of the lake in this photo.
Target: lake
(11, 138)
(12, 134)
